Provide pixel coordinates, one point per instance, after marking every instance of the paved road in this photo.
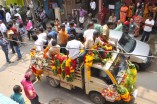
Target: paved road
(13, 74)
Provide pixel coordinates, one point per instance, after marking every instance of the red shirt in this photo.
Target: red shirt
(28, 86)
(14, 30)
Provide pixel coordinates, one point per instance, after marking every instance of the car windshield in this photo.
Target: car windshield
(127, 43)
(119, 65)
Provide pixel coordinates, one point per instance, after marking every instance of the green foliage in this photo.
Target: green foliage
(63, 74)
(122, 90)
(23, 12)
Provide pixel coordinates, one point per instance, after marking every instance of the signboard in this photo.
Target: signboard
(111, 6)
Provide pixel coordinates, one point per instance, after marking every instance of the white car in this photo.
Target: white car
(132, 46)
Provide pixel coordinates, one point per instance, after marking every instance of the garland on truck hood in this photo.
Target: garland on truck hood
(123, 91)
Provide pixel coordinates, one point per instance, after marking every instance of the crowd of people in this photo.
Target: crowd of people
(58, 37)
(138, 14)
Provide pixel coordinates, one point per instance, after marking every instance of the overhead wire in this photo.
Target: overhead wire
(98, 50)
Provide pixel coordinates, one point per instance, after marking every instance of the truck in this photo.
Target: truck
(103, 79)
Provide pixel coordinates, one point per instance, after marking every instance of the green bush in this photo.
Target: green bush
(23, 12)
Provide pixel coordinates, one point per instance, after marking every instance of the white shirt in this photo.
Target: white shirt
(17, 14)
(89, 43)
(66, 25)
(93, 5)
(12, 11)
(74, 53)
(39, 44)
(43, 36)
(148, 28)
(50, 42)
(8, 17)
(88, 33)
(3, 28)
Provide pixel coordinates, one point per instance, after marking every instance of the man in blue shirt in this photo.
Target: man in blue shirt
(17, 96)
(71, 26)
(4, 45)
(51, 33)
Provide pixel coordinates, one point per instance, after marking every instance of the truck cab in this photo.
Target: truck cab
(103, 75)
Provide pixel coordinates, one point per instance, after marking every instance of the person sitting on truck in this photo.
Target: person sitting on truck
(54, 49)
(95, 40)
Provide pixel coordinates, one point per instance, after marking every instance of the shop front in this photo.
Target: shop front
(53, 8)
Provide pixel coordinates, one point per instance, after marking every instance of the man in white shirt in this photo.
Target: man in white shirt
(17, 14)
(39, 43)
(89, 32)
(7, 16)
(3, 28)
(93, 41)
(149, 23)
(66, 23)
(74, 47)
(93, 7)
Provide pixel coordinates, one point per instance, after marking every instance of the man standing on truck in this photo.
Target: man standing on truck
(73, 47)
(90, 42)
(89, 32)
(106, 32)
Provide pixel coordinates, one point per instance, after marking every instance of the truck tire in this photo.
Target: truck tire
(53, 82)
(137, 66)
(97, 98)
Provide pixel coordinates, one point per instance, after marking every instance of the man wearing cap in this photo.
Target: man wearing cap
(29, 89)
(126, 27)
(4, 45)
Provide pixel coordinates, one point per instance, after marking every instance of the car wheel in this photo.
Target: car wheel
(137, 66)
(53, 82)
(97, 98)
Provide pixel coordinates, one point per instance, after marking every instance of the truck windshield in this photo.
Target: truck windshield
(127, 43)
(118, 65)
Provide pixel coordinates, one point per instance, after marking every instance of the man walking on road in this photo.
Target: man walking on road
(82, 14)
(29, 89)
(93, 7)
(4, 45)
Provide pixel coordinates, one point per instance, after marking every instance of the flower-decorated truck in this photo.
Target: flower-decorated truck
(110, 77)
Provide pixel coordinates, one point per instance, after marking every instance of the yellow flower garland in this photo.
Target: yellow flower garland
(88, 63)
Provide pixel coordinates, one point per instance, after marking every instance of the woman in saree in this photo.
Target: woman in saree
(123, 12)
(138, 20)
(130, 11)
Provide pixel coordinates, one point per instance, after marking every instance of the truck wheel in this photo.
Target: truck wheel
(97, 98)
(137, 66)
(53, 82)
